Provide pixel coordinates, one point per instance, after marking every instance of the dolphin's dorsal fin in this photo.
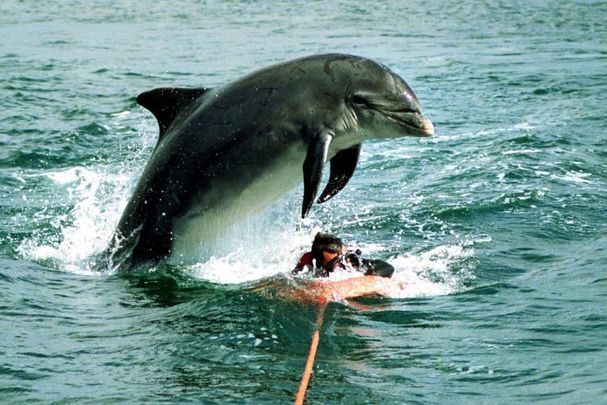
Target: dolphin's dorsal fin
(166, 102)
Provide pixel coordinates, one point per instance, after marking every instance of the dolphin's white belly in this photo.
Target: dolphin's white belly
(231, 200)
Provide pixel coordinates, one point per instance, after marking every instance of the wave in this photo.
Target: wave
(260, 247)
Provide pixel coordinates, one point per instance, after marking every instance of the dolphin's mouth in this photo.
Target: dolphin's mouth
(420, 125)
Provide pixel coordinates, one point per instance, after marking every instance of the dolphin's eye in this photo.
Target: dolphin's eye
(359, 100)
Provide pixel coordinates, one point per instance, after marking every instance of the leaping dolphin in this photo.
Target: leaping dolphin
(226, 152)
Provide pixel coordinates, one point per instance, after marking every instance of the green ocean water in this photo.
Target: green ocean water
(496, 224)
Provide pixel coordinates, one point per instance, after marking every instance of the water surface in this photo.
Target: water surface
(497, 223)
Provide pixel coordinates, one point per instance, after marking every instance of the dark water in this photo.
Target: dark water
(497, 224)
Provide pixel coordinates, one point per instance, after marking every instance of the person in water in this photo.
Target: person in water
(330, 253)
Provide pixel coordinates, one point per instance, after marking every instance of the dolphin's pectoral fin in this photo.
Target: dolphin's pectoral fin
(318, 150)
(343, 165)
(166, 102)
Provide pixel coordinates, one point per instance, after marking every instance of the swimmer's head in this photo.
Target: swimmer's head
(326, 247)
(327, 241)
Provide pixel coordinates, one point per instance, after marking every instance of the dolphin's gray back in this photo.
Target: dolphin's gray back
(227, 133)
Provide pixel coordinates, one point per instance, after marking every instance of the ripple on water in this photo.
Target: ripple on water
(495, 224)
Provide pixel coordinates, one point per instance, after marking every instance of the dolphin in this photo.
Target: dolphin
(226, 152)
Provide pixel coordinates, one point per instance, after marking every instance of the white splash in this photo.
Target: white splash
(99, 196)
(96, 196)
(430, 273)
(259, 254)
(424, 274)
(264, 246)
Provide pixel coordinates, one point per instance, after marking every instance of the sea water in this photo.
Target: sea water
(496, 225)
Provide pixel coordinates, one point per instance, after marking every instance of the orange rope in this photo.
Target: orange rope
(305, 379)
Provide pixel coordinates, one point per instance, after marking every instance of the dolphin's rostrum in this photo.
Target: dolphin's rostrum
(226, 152)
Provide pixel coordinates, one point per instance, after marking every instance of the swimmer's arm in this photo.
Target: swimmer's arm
(361, 287)
(315, 292)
